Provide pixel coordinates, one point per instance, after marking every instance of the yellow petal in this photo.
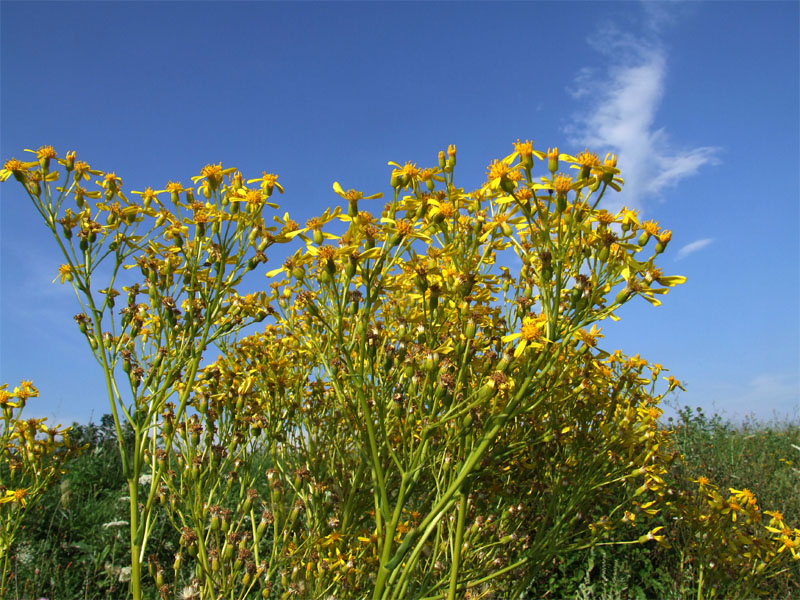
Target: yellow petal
(672, 280)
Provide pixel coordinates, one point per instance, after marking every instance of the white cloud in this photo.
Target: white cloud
(618, 114)
(693, 247)
(780, 391)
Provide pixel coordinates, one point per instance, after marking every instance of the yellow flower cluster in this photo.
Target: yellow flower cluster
(33, 456)
(422, 420)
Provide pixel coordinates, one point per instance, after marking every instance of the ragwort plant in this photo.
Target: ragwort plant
(32, 457)
(429, 400)
(178, 262)
(429, 368)
(420, 383)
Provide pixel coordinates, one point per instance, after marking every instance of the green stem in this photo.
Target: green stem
(700, 584)
(136, 566)
(462, 511)
(386, 553)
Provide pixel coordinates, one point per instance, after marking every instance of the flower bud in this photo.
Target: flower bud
(623, 295)
(507, 185)
(470, 329)
(451, 157)
(663, 239)
(505, 361)
(552, 160)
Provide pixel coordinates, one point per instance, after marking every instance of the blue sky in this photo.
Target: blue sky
(699, 100)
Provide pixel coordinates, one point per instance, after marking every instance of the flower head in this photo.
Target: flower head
(531, 333)
(14, 167)
(405, 176)
(562, 184)
(65, 273)
(587, 159)
(496, 170)
(524, 148)
(46, 152)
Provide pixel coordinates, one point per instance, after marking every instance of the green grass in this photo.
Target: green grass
(67, 550)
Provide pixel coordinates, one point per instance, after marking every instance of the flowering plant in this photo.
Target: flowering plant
(426, 413)
(32, 456)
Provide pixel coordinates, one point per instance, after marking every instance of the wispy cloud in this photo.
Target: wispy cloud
(693, 247)
(618, 112)
(778, 390)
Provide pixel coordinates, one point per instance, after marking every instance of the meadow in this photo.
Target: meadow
(73, 544)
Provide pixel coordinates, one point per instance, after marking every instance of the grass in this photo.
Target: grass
(71, 548)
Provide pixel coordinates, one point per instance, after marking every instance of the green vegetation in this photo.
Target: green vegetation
(765, 457)
(70, 547)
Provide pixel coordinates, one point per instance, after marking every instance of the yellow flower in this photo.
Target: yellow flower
(589, 337)
(174, 187)
(498, 175)
(790, 544)
(745, 494)
(148, 195)
(17, 495)
(734, 508)
(496, 170)
(587, 159)
(46, 152)
(525, 152)
(16, 168)
(650, 227)
(629, 217)
(82, 171)
(406, 176)
(213, 173)
(776, 515)
(562, 184)
(65, 272)
(269, 181)
(674, 383)
(353, 195)
(331, 539)
(110, 182)
(26, 390)
(43, 155)
(530, 334)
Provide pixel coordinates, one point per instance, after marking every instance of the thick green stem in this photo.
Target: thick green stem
(462, 511)
(136, 565)
(386, 554)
